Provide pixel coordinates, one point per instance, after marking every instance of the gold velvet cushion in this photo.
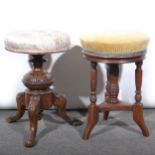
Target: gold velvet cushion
(117, 44)
(37, 42)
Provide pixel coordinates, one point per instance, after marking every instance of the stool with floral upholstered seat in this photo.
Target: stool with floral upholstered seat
(38, 96)
(114, 49)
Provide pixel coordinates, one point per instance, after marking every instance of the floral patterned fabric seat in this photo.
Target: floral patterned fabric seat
(37, 42)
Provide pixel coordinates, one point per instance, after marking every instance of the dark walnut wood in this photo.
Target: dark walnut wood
(112, 103)
(38, 97)
(93, 108)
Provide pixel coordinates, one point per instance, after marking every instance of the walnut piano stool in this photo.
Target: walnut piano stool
(114, 50)
(38, 95)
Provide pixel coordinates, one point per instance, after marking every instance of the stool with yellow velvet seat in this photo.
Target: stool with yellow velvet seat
(113, 50)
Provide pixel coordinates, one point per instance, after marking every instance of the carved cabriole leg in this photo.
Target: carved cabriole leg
(138, 107)
(60, 103)
(112, 88)
(93, 110)
(33, 110)
(20, 99)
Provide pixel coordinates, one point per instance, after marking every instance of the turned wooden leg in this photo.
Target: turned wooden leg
(60, 103)
(93, 114)
(138, 118)
(20, 108)
(93, 110)
(112, 88)
(33, 109)
(138, 107)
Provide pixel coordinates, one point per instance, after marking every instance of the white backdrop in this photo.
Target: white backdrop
(70, 70)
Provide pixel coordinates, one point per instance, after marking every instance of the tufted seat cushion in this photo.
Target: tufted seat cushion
(115, 44)
(37, 42)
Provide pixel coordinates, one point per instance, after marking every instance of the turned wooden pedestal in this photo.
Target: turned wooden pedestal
(112, 103)
(38, 97)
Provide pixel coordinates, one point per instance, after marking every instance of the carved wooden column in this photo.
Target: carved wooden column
(112, 87)
(93, 108)
(37, 97)
(112, 84)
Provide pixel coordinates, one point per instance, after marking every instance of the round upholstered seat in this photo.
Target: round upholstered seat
(37, 42)
(115, 44)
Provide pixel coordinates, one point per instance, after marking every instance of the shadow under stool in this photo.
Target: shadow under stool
(39, 95)
(114, 50)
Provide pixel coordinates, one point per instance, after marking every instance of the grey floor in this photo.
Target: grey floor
(117, 136)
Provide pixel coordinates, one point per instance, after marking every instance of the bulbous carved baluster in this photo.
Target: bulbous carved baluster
(37, 97)
(112, 88)
(107, 95)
